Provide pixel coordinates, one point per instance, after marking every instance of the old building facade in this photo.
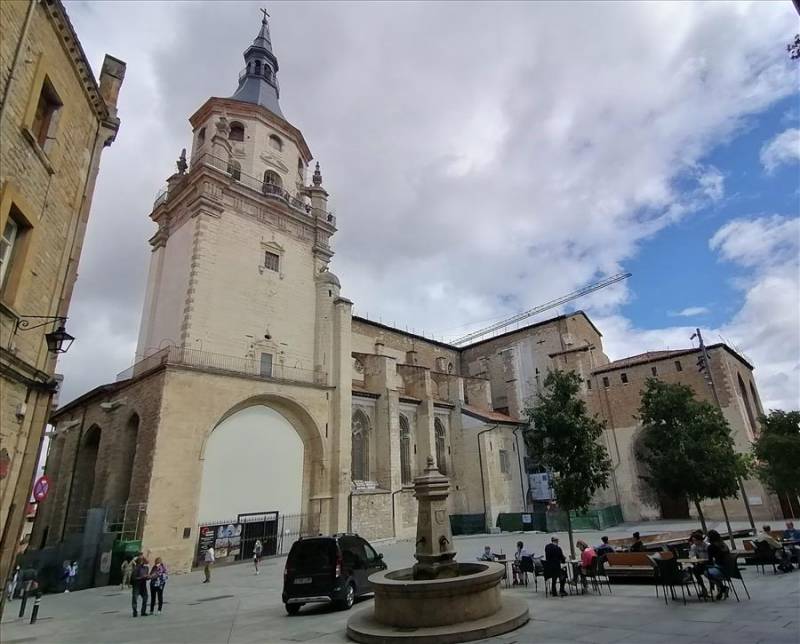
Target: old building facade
(255, 389)
(55, 120)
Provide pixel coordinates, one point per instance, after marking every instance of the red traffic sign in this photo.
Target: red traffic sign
(41, 488)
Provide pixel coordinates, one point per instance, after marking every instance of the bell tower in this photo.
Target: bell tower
(239, 264)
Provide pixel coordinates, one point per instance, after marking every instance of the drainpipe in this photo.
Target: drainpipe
(480, 466)
(519, 463)
(22, 36)
(350, 511)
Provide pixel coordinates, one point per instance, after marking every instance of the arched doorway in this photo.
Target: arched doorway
(83, 480)
(252, 462)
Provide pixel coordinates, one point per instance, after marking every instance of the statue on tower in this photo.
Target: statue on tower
(181, 163)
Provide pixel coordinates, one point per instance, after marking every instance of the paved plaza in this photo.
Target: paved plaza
(239, 607)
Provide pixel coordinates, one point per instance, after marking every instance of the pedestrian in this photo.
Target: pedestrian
(258, 548)
(208, 560)
(73, 575)
(126, 569)
(141, 572)
(66, 570)
(12, 583)
(158, 579)
(553, 559)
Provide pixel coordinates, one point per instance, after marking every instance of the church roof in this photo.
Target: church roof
(258, 82)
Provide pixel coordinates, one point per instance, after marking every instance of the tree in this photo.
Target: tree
(563, 438)
(794, 48)
(777, 453)
(687, 446)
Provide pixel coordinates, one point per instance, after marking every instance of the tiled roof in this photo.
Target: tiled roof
(642, 358)
(491, 416)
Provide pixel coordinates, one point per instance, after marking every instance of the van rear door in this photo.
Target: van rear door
(310, 568)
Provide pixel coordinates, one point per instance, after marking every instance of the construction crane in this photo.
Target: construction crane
(540, 309)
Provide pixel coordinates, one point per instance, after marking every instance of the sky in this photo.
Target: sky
(483, 158)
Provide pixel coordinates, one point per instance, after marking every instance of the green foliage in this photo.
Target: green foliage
(777, 450)
(686, 444)
(564, 439)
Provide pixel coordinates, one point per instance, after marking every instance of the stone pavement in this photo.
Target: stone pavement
(239, 607)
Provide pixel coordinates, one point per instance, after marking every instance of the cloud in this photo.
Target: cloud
(479, 162)
(690, 312)
(784, 148)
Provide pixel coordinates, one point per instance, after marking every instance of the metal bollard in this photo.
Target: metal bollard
(24, 602)
(35, 611)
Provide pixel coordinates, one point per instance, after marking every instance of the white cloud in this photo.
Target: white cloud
(479, 162)
(690, 312)
(784, 148)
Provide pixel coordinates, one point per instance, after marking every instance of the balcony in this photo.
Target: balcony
(220, 363)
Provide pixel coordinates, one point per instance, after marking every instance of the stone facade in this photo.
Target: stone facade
(55, 121)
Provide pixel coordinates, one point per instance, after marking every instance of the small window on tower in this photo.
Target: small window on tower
(678, 366)
(237, 132)
(272, 261)
(201, 136)
(275, 142)
(654, 371)
(265, 367)
(589, 384)
(44, 121)
(606, 382)
(235, 169)
(624, 378)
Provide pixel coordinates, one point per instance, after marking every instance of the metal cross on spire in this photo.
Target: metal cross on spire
(266, 15)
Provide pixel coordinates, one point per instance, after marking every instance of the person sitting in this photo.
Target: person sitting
(781, 556)
(604, 548)
(486, 555)
(588, 555)
(516, 566)
(637, 545)
(723, 564)
(791, 533)
(698, 549)
(553, 558)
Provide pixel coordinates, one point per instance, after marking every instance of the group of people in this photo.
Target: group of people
(782, 553)
(138, 574)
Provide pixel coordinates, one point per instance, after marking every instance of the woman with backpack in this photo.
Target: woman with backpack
(158, 579)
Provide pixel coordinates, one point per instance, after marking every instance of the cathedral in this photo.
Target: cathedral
(256, 393)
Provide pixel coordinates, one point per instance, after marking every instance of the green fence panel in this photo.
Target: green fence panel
(467, 524)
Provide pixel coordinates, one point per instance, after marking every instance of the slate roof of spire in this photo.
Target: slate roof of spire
(255, 87)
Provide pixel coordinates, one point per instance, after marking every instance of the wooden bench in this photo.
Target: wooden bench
(629, 564)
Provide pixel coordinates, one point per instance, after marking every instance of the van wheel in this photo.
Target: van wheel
(349, 598)
(293, 609)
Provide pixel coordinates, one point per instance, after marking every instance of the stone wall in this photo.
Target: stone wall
(372, 514)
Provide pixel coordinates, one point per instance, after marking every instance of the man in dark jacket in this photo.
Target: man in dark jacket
(141, 572)
(553, 558)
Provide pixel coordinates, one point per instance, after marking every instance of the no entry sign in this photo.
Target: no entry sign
(41, 488)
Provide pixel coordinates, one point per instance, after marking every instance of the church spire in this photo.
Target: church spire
(258, 82)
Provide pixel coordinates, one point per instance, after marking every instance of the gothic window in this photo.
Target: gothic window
(360, 449)
(449, 367)
(275, 142)
(405, 451)
(272, 183)
(237, 132)
(441, 452)
(235, 169)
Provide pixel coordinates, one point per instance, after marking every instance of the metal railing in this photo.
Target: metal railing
(223, 363)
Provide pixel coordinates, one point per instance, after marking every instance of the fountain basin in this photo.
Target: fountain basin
(453, 609)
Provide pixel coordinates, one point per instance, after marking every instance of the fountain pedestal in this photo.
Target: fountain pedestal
(437, 601)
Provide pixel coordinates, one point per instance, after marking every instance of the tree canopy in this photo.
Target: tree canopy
(687, 445)
(563, 438)
(777, 450)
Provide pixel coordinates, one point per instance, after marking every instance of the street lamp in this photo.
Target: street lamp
(58, 341)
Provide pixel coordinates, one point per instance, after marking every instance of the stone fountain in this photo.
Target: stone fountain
(438, 599)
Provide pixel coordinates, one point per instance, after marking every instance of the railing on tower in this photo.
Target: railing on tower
(249, 366)
(253, 183)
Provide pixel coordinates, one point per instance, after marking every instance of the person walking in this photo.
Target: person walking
(12, 583)
(126, 569)
(208, 560)
(73, 575)
(258, 548)
(141, 572)
(553, 558)
(158, 579)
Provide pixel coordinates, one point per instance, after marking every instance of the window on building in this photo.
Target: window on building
(405, 451)
(678, 366)
(589, 384)
(360, 446)
(201, 136)
(258, 68)
(235, 169)
(751, 419)
(272, 261)
(275, 142)
(441, 451)
(606, 382)
(624, 378)
(265, 367)
(47, 108)
(272, 182)
(449, 367)
(300, 168)
(7, 243)
(13, 244)
(654, 371)
(504, 462)
(236, 132)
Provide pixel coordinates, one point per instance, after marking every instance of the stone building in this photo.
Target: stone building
(55, 120)
(256, 391)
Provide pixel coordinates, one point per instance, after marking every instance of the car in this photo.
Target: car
(329, 569)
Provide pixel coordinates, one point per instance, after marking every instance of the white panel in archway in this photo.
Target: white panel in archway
(253, 463)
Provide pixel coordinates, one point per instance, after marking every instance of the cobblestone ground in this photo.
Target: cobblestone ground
(240, 607)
